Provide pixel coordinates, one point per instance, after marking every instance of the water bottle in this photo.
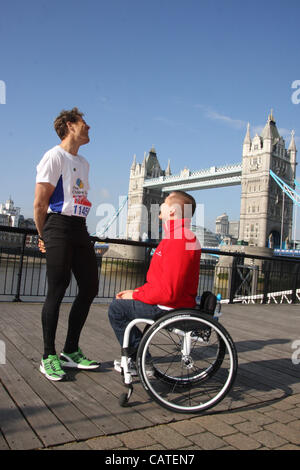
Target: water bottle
(217, 312)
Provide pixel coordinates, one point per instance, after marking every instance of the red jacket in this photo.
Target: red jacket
(173, 275)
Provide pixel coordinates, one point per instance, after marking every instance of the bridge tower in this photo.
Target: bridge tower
(262, 200)
(141, 201)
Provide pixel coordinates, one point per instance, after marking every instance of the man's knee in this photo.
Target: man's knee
(88, 290)
(58, 284)
(93, 291)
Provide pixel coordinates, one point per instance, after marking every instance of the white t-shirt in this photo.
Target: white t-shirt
(69, 174)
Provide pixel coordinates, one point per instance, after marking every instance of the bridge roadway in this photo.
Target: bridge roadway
(213, 177)
(261, 412)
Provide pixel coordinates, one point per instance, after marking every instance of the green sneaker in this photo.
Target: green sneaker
(51, 368)
(78, 360)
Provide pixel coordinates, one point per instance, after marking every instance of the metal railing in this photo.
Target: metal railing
(240, 277)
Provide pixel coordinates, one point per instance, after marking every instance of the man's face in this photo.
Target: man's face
(80, 131)
(165, 209)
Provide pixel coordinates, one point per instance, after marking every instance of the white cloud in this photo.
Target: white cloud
(240, 124)
(216, 116)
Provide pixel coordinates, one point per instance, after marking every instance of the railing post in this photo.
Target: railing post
(266, 282)
(295, 286)
(17, 296)
(233, 279)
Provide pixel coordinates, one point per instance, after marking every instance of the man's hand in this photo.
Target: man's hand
(43, 192)
(41, 246)
(125, 294)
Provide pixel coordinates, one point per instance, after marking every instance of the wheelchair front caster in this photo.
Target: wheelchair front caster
(124, 397)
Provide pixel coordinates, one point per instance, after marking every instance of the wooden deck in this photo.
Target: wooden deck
(36, 413)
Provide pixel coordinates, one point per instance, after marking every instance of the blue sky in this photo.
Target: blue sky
(184, 76)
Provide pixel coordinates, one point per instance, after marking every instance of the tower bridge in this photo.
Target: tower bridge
(265, 216)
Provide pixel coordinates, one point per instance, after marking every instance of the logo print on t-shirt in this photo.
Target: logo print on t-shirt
(79, 183)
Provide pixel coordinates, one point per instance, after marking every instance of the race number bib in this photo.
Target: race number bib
(81, 206)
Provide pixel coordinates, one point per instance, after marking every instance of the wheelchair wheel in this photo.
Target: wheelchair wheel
(187, 361)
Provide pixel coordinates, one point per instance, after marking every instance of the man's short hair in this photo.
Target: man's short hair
(60, 123)
(182, 198)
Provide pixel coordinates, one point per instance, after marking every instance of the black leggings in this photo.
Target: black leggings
(68, 249)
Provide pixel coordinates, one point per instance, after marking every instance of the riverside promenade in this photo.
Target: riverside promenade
(262, 410)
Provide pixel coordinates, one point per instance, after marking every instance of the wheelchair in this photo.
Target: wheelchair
(186, 360)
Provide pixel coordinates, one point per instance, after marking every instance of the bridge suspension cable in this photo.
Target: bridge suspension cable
(290, 192)
(112, 220)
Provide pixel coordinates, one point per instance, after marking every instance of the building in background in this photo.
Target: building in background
(10, 214)
(228, 232)
(222, 225)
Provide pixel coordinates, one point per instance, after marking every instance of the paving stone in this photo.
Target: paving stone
(295, 424)
(168, 437)
(153, 447)
(283, 405)
(259, 418)
(194, 447)
(207, 441)
(231, 418)
(248, 427)
(242, 442)
(281, 416)
(269, 439)
(187, 427)
(295, 412)
(213, 424)
(105, 443)
(292, 399)
(74, 446)
(289, 447)
(136, 439)
(287, 432)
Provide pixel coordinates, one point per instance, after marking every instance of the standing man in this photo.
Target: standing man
(60, 210)
(172, 278)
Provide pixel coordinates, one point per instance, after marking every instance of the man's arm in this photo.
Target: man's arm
(43, 192)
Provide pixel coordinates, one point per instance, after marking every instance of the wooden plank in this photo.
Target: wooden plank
(74, 420)
(113, 405)
(115, 419)
(107, 423)
(45, 424)
(18, 434)
(112, 382)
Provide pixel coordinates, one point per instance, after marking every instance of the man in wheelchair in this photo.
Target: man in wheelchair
(173, 275)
